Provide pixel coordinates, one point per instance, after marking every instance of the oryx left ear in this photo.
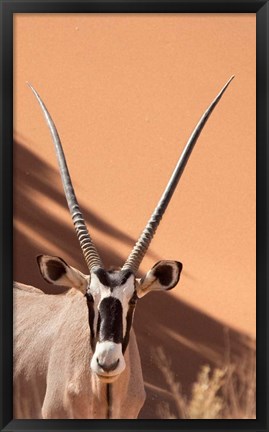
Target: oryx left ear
(57, 272)
(163, 276)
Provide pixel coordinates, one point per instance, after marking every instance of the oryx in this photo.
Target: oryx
(75, 354)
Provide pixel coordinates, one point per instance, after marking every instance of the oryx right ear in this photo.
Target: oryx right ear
(162, 277)
(56, 271)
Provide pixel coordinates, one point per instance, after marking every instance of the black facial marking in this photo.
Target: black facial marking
(125, 276)
(129, 320)
(54, 268)
(109, 325)
(103, 277)
(90, 304)
(114, 278)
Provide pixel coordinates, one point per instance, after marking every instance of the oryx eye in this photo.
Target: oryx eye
(89, 297)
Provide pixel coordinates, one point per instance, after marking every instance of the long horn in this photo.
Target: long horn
(88, 248)
(134, 260)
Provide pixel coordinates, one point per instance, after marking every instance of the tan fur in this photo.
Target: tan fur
(52, 376)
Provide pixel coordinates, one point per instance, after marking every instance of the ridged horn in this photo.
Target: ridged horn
(87, 246)
(134, 260)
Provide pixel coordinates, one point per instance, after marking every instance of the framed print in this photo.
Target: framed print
(134, 160)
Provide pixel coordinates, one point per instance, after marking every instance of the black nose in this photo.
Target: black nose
(108, 368)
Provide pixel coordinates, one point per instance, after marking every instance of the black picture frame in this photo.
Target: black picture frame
(8, 8)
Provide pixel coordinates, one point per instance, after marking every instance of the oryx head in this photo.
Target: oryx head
(111, 296)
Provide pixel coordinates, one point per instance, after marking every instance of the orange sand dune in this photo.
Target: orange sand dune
(125, 92)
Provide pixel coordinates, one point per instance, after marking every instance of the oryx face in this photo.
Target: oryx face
(111, 298)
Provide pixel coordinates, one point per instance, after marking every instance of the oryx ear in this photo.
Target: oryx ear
(163, 276)
(55, 271)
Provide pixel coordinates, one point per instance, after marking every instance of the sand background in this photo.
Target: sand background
(125, 92)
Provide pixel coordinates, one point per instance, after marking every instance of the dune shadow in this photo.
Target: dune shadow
(33, 181)
(189, 337)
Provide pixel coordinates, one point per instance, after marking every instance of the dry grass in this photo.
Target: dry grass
(227, 392)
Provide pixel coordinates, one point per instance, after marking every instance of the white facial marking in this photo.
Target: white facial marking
(108, 354)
